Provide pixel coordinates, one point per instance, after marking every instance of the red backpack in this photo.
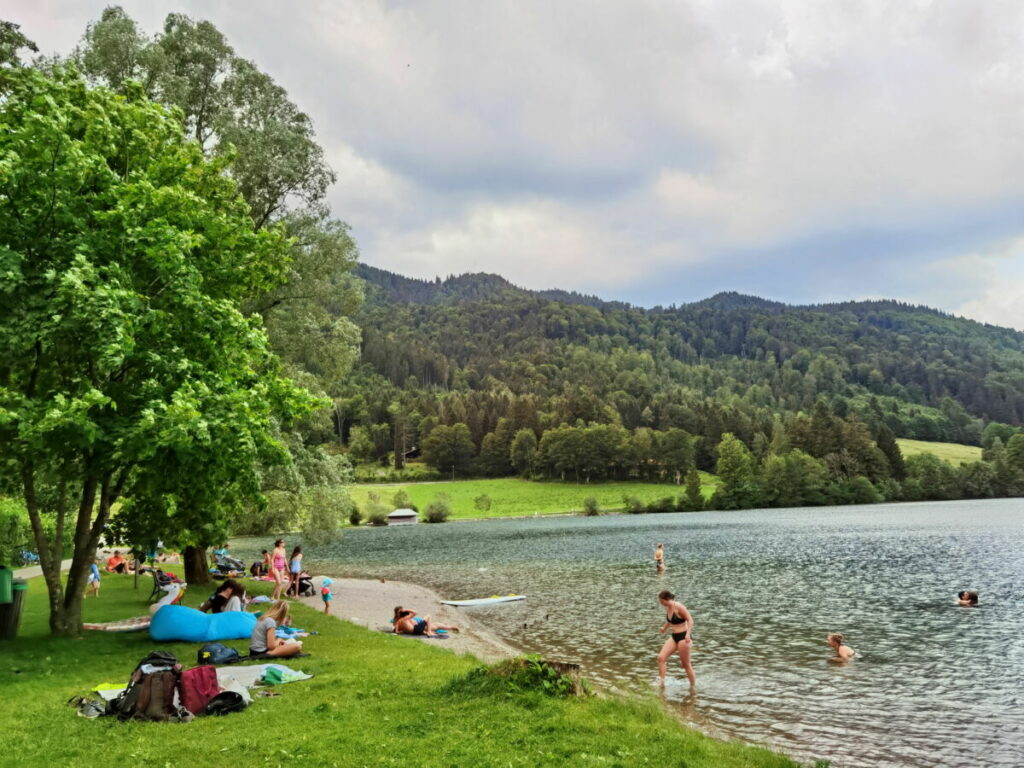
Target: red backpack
(198, 685)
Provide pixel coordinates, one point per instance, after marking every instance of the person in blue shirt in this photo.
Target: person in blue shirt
(94, 580)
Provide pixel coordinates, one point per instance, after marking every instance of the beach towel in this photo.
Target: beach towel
(124, 625)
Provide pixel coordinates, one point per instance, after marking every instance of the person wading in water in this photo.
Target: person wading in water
(681, 623)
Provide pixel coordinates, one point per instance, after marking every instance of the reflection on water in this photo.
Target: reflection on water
(933, 683)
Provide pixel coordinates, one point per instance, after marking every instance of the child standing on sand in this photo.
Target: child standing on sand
(325, 594)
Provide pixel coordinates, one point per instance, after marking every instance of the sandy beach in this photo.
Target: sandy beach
(370, 603)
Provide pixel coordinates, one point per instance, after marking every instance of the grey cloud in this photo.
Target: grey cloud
(797, 149)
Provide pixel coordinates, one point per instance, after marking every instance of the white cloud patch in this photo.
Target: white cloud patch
(1000, 271)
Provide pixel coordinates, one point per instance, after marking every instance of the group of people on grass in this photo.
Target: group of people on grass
(680, 624)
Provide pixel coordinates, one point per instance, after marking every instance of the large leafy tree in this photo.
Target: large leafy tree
(128, 366)
(233, 109)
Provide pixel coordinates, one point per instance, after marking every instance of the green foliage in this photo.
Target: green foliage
(11, 42)
(15, 532)
(449, 449)
(355, 516)
(591, 507)
(482, 502)
(736, 470)
(129, 366)
(514, 677)
(633, 505)
(523, 451)
(401, 499)
(438, 511)
(411, 473)
(693, 498)
(326, 509)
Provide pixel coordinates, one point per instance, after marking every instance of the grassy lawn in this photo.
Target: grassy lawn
(375, 700)
(954, 453)
(513, 497)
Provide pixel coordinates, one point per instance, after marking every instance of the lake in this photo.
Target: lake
(933, 683)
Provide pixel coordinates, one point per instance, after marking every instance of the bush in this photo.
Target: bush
(482, 502)
(377, 513)
(355, 517)
(412, 473)
(438, 511)
(667, 504)
(15, 532)
(590, 507)
(524, 675)
(401, 499)
(633, 505)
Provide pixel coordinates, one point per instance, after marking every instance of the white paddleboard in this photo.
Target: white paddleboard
(485, 600)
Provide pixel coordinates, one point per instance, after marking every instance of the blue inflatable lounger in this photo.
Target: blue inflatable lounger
(184, 624)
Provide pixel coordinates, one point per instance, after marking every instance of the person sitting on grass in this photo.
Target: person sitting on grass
(408, 623)
(843, 652)
(264, 640)
(116, 563)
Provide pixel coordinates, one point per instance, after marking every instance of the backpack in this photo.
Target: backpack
(197, 686)
(217, 653)
(150, 691)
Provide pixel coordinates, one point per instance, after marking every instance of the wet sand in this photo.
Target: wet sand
(371, 602)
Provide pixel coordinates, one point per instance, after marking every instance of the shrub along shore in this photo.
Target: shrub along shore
(374, 700)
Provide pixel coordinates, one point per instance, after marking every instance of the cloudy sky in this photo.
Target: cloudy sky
(657, 152)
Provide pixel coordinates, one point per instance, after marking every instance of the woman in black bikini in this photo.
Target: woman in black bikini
(681, 623)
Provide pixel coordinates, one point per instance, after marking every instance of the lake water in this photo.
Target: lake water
(933, 683)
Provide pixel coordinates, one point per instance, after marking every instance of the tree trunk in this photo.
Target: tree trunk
(196, 569)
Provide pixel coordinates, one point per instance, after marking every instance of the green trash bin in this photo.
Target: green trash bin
(10, 613)
(6, 578)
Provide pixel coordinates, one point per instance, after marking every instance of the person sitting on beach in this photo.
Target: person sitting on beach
(408, 623)
(116, 563)
(228, 597)
(843, 652)
(264, 640)
(968, 597)
(261, 567)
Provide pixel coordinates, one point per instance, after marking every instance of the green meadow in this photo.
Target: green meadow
(954, 453)
(374, 700)
(514, 497)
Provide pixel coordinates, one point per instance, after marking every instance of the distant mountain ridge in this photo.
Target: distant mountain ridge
(730, 359)
(476, 286)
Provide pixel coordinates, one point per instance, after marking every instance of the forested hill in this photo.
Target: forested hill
(466, 349)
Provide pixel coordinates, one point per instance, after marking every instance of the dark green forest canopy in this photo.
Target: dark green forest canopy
(463, 348)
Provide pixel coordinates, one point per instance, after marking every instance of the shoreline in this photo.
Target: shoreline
(369, 603)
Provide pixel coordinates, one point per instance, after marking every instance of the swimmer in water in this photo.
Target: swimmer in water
(843, 652)
(681, 623)
(968, 597)
(659, 558)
